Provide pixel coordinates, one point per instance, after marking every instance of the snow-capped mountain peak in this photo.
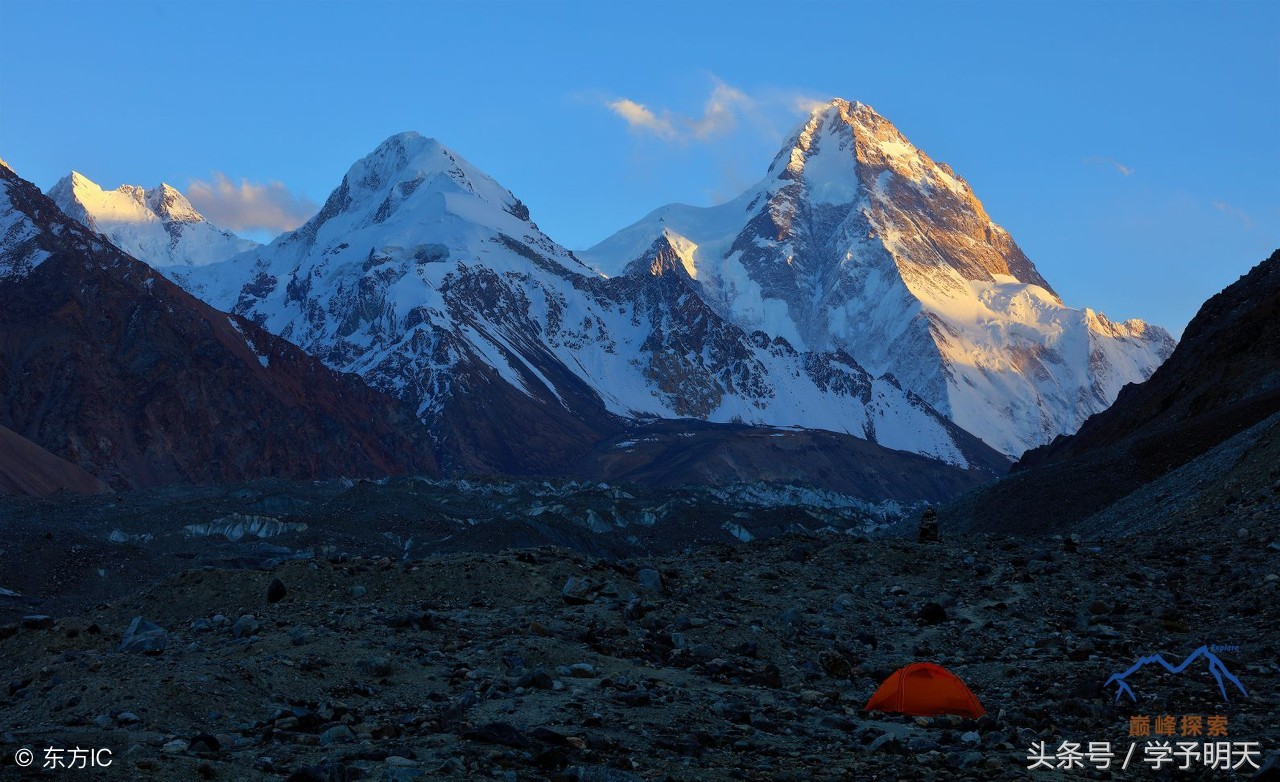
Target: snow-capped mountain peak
(856, 240)
(171, 205)
(427, 278)
(408, 182)
(158, 226)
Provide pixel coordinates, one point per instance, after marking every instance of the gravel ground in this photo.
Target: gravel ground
(732, 661)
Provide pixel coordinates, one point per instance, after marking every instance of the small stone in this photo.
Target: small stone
(834, 664)
(582, 670)
(357, 591)
(175, 747)
(144, 637)
(378, 666)
(128, 718)
(932, 613)
(887, 742)
(245, 626)
(650, 580)
(205, 744)
(338, 734)
(276, 591)
(497, 733)
(577, 591)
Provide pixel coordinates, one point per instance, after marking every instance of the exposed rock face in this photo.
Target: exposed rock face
(856, 241)
(428, 279)
(105, 363)
(157, 226)
(1223, 379)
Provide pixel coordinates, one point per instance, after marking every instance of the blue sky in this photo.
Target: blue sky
(1130, 147)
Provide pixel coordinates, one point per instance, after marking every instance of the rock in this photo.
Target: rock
(834, 664)
(357, 591)
(205, 744)
(245, 626)
(577, 591)
(929, 526)
(597, 774)
(886, 743)
(791, 616)
(327, 772)
(338, 734)
(932, 614)
(144, 637)
(37, 622)
(378, 666)
(582, 670)
(175, 747)
(650, 580)
(502, 733)
(537, 678)
(128, 718)
(276, 591)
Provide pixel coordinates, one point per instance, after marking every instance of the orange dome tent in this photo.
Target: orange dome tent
(925, 690)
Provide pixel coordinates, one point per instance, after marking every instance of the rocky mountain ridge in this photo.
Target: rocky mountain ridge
(429, 280)
(855, 240)
(108, 365)
(158, 226)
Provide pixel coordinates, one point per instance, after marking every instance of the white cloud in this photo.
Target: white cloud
(1112, 162)
(640, 117)
(1236, 212)
(249, 206)
(721, 113)
(805, 104)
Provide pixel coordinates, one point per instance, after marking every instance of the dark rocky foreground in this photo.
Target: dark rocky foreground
(729, 661)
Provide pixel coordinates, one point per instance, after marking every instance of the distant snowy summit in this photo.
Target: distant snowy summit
(860, 287)
(157, 226)
(855, 240)
(429, 279)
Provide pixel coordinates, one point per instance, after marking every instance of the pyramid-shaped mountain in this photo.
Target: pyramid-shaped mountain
(857, 241)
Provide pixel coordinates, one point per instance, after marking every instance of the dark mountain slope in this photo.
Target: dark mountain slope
(108, 365)
(1223, 379)
(28, 469)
